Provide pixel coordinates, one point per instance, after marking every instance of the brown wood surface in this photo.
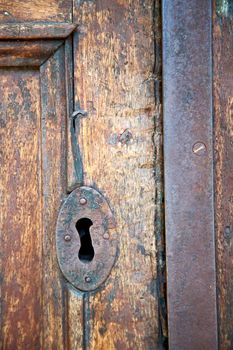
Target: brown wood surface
(35, 30)
(53, 149)
(40, 10)
(223, 123)
(27, 53)
(114, 83)
(32, 186)
(20, 208)
(116, 80)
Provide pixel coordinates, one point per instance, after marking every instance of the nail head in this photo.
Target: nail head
(83, 201)
(67, 238)
(106, 235)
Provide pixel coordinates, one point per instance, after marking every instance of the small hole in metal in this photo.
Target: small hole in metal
(86, 251)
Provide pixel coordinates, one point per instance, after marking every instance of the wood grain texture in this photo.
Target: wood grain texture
(114, 82)
(20, 210)
(35, 30)
(27, 53)
(53, 126)
(223, 123)
(75, 319)
(40, 10)
(32, 187)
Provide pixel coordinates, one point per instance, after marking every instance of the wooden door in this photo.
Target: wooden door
(120, 104)
(60, 60)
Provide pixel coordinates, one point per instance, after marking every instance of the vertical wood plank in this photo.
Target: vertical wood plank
(188, 158)
(75, 298)
(114, 83)
(223, 123)
(69, 70)
(20, 210)
(75, 319)
(53, 105)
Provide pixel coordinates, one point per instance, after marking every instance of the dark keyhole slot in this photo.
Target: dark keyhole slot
(86, 251)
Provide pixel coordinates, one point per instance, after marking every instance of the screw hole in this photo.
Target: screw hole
(86, 251)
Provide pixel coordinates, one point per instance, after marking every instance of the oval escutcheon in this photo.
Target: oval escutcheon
(86, 239)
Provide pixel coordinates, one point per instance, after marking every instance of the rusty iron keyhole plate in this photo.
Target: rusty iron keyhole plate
(86, 205)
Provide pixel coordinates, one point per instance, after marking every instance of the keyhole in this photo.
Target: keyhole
(86, 251)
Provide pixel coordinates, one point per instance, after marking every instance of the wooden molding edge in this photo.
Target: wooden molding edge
(27, 53)
(36, 30)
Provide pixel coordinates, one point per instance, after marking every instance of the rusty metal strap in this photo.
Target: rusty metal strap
(188, 154)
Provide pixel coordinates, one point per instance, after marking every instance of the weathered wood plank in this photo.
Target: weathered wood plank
(75, 306)
(20, 210)
(114, 82)
(27, 53)
(223, 125)
(117, 52)
(75, 319)
(53, 116)
(40, 10)
(35, 30)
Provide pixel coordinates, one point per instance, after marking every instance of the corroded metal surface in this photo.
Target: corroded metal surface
(88, 204)
(187, 67)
